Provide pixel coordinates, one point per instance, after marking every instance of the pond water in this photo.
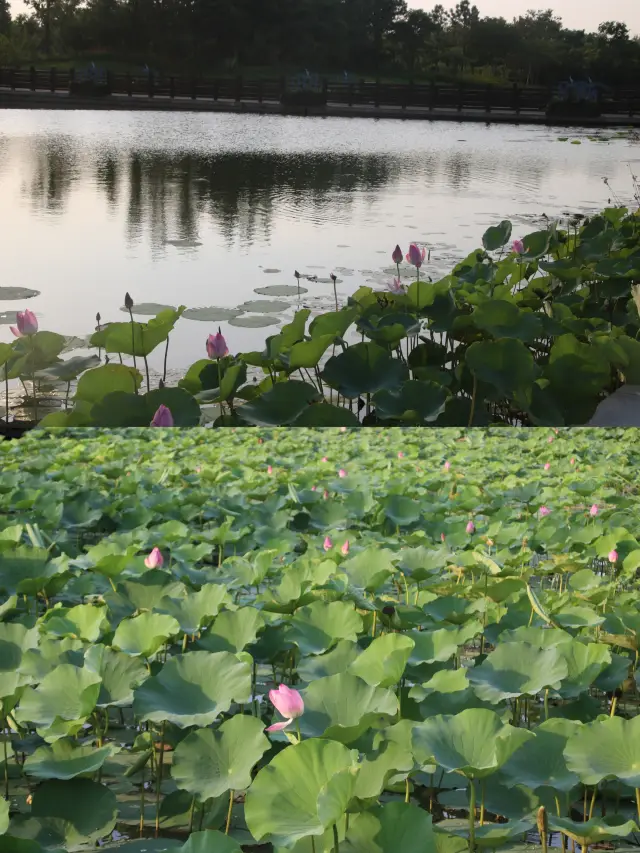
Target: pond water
(203, 210)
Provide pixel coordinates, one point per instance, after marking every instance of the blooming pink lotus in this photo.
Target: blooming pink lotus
(313, 488)
(396, 257)
(447, 465)
(612, 556)
(594, 509)
(400, 455)
(544, 510)
(470, 528)
(518, 247)
(442, 537)
(547, 465)
(415, 256)
(324, 459)
(163, 417)
(342, 473)
(325, 495)
(396, 286)
(269, 469)
(27, 324)
(155, 559)
(572, 461)
(345, 548)
(550, 439)
(216, 345)
(289, 703)
(327, 544)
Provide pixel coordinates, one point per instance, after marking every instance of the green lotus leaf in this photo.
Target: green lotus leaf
(15, 639)
(594, 830)
(233, 631)
(197, 608)
(506, 364)
(144, 634)
(120, 674)
(585, 662)
(210, 841)
(282, 813)
(442, 644)
(542, 638)
(448, 692)
(27, 570)
(370, 568)
(606, 749)
(364, 368)
(474, 742)
(413, 402)
(193, 689)
(86, 810)
(577, 616)
(392, 755)
(449, 608)
(319, 626)
(517, 669)
(339, 659)
(84, 622)
(383, 662)
(4, 817)
(541, 762)
(401, 510)
(61, 703)
(503, 319)
(613, 675)
(281, 405)
(95, 384)
(341, 707)
(497, 236)
(209, 763)
(490, 835)
(389, 828)
(65, 760)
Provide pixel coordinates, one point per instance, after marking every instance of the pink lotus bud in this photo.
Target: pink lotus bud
(518, 247)
(415, 256)
(289, 703)
(612, 556)
(313, 488)
(343, 429)
(327, 544)
(163, 417)
(442, 537)
(543, 511)
(594, 509)
(547, 465)
(396, 286)
(154, 560)
(400, 455)
(396, 257)
(345, 548)
(342, 473)
(470, 528)
(324, 459)
(572, 460)
(269, 469)
(550, 439)
(490, 543)
(325, 494)
(447, 465)
(27, 324)
(216, 345)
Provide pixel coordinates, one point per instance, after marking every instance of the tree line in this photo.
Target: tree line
(352, 37)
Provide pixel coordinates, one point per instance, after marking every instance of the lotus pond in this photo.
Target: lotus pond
(536, 331)
(457, 611)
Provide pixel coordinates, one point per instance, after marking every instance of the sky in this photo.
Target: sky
(575, 14)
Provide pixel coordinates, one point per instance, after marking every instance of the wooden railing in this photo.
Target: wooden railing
(434, 96)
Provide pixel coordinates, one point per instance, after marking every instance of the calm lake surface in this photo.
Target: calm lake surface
(201, 210)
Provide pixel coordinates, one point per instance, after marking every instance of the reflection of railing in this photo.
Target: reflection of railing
(427, 96)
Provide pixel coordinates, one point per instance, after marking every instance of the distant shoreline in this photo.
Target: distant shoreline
(45, 100)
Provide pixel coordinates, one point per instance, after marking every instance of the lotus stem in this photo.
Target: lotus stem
(159, 764)
(146, 370)
(6, 391)
(593, 801)
(473, 400)
(482, 784)
(133, 340)
(336, 840)
(546, 711)
(6, 761)
(191, 813)
(407, 790)
(614, 702)
(229, 810)
(472, 816)
(141, 826)
(313, 845)
(638, 802)
(166, 353)
(373, 626)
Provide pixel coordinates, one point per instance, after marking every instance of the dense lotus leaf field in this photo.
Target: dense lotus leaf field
(456, 614)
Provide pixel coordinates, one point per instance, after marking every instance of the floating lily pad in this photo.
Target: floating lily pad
(269, 270)
(280, 290)
(148, 309)
(254, 321)
(8, 293)
(8, 318)
(185, 243)
(264, 306)
(211, 314)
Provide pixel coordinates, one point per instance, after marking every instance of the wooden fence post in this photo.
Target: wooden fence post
(487, 98)
(350, 94)
(409, 97)
(32, 76)
(516, 98)
(433, 96)
(460, 97)
(12, 79)
(52, 80)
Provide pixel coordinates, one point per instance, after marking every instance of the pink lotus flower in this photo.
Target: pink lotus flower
(447, 465)
(470, 528)
(396, 257)
(345, 548)
(27, 324)
(442, 537)
(400, 455)
(325, 494)
(613, 556)
(342, 473)
(324, 459)
(269, 469)
(572, 461)
(547, 465)
(594, 509)
(216, 345)
(343, 429)
(289, 703)
(544, 510)
(396, 286)
(163, 417)
(327, 544)
(550, 439)
(415, 256)
(313, 488)
(154, 560)
(518, 247)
